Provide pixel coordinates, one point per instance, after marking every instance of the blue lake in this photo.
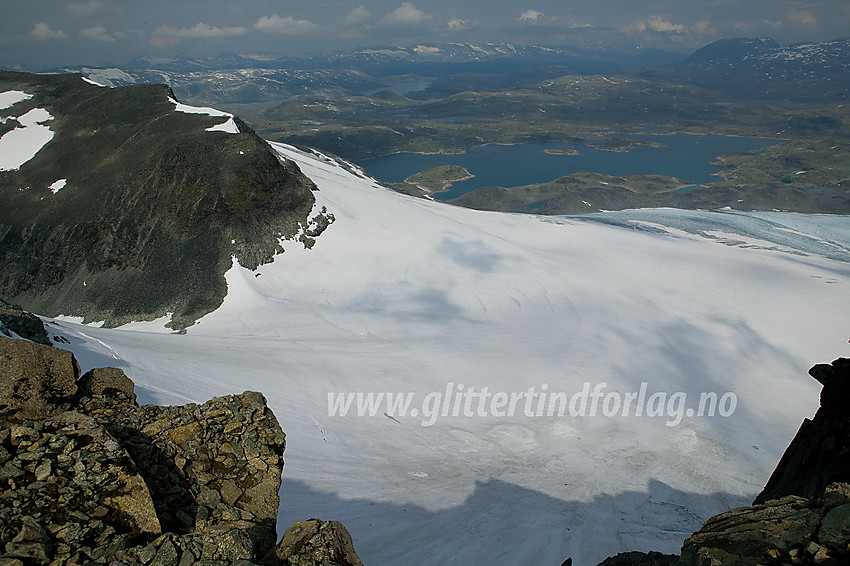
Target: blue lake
(686, 157)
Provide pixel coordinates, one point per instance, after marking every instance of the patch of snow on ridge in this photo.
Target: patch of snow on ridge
(180, 107)
(58, 185)
(22, 144)
(229, 126)
(91, 82)
(12, 97)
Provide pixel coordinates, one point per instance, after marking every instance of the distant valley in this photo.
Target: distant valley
(451, 98)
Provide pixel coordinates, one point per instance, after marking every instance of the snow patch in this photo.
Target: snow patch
(58, 185)
(180, 107)
(22, 144)
(229, 126)
(12, 97)
(91, 82)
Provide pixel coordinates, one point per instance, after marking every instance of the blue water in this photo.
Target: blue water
(686, 157)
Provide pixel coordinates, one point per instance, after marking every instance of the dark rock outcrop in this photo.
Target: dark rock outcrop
(153, 209)
(24, 324)
(820, 452)
(88, 476)
(790, 530)
(803, 514)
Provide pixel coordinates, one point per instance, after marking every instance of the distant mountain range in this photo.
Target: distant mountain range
(758, 68)
(761, 68)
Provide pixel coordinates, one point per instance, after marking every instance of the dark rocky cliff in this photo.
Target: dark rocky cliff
(153, 209)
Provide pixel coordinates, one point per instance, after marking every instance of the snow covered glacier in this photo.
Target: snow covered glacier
(436, 304)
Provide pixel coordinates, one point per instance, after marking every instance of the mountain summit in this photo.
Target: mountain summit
(123, 204)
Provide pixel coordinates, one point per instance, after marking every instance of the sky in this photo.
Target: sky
(45, 34)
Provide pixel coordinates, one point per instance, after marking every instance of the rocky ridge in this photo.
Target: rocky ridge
(135, 207)
(88, 476)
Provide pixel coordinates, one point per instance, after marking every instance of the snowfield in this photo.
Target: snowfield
(404, 295)
(22, 143)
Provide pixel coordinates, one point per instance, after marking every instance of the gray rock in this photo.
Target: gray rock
(107, 382)
(835, 528)
(314, 543)
(112, 482)
(22, 323)
(749, 536)
(36, 381)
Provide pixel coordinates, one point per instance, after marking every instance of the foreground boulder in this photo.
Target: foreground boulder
(36, 381)
(88, 476)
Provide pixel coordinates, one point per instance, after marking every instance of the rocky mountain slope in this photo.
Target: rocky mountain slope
(761, 68)
(88, 476)
(135, 205)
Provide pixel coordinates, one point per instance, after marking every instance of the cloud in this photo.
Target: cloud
(802, 17)
(456, 24)
(656, 25)
(357, 17)
(405, 15)
(530, 16)
(98, 33)
(659, 24)
(287, 25)
(44, 32)
(201, 30)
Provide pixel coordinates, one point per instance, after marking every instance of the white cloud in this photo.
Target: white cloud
(287, 25)
(201, 30)
(405, 15)
(456, 24)
(659, 25)
(357, 17)
(98, 33)
(44, 32)
(530, 16)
